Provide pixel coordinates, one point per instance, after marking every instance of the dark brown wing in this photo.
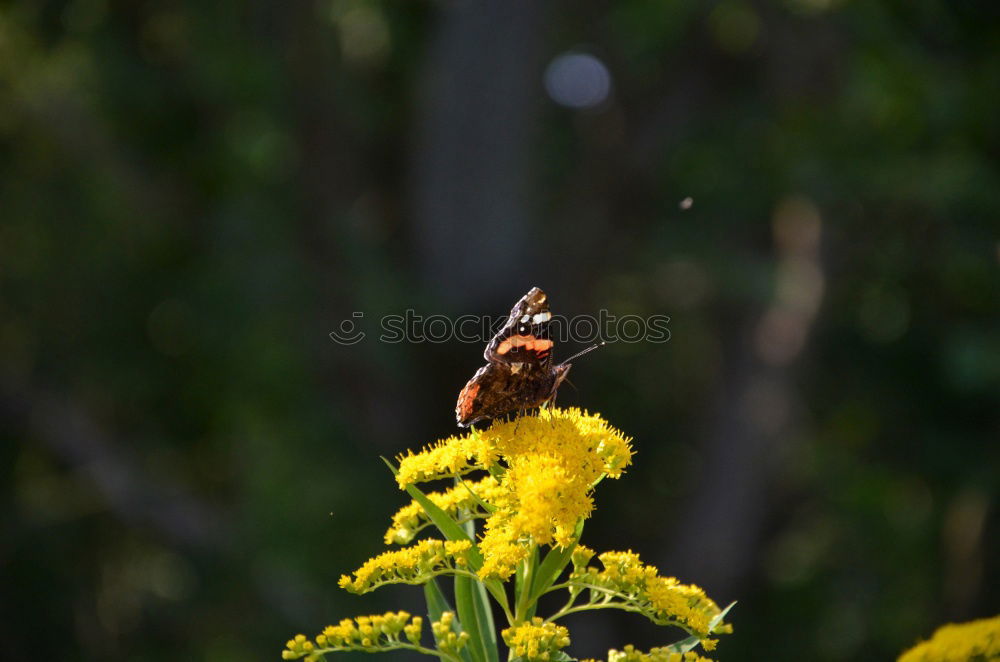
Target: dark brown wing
(524, 338)
(498, 389)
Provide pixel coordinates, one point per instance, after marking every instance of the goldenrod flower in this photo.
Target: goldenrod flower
(581, 556)
(552, 496)
(542, 506)
(976, 641)
(299, 646)
(462, 501)
(536, 641)
(366, 633)
(410, 565)
(549, 463)
(630, 654)
(586, 441)
(449, 641)
(454, 456)
(500, 554)
(540, 475)
(664, 600)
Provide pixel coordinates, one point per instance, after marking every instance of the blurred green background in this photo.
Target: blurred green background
(193, 195)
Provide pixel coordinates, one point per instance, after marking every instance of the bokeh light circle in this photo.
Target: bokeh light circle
(578, 80)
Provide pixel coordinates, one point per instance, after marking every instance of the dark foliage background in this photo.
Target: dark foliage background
(194, 194)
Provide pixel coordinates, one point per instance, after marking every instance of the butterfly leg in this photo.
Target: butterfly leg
(549, 406)
(523, 412)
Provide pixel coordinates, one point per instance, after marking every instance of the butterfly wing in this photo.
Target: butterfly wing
(497, 389)
(525, 337)
(469, 407)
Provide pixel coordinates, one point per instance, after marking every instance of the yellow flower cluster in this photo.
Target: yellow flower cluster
(461, 499)
(549, 463)
(500, 555)
(298, 647)
(976, 641)
(536, 641)
(454, 456)
(630, 654)
(587, 443)
(570, 432)
(663, 600)
(410, 565)
(448, 641)
(368, 633)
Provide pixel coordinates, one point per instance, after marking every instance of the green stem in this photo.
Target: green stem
(569, 603)
(590, 587)
(607, 603)
(455, 572)
(592, 606)
(395, 646)
(523, 600)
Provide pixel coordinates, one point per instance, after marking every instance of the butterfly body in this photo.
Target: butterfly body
(519, 373)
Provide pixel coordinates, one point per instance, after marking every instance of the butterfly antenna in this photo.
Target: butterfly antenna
(585, 351)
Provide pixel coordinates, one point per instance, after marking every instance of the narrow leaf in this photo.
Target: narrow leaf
(451, 529)
(684, 645)
(470, 619)
(484, 617)
(555, 561)
(437, 603)
(520, 577)
(718, 617)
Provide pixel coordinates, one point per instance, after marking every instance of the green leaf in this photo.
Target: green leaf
(497, 471)
(686, 644)
(451, 529)
(553, 565)
(484, 615)
(524, 580)
(482, 504)
(481, 601)
(520, 577)
(718, 617)
(469, 615)
(437, 604)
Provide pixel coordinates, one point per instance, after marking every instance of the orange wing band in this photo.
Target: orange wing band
(530, 343)
(466, 398)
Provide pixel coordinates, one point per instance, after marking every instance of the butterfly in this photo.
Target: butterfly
(519, 373)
